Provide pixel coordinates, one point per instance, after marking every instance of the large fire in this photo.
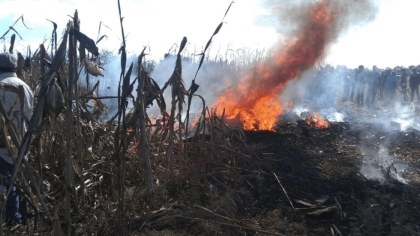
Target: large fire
(255, 101)
(317, 120)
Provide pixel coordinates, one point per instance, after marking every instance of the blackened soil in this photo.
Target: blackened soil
(319, 170)
(326, 165)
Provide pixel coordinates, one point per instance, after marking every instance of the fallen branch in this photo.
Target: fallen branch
(284, 190)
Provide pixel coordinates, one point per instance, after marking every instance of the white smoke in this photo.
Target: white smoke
(377, 165)
(214, 76)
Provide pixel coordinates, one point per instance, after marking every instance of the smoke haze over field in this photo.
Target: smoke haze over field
(213, 77)
(310, 28)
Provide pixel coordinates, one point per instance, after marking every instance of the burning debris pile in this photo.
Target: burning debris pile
(317, 121)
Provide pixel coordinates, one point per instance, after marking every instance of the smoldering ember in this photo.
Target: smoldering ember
(280, 144)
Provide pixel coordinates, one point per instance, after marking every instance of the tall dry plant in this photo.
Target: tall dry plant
(107, 157)
(194, 87)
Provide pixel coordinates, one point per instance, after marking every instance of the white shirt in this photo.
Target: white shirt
(11, 100)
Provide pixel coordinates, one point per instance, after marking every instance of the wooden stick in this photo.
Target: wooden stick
(284, 190)
(214, 213)
(338, 231)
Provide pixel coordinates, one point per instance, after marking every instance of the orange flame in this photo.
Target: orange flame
(317, 120)
(194, 122)
(255, 100)
(290, 105)
(133, 147)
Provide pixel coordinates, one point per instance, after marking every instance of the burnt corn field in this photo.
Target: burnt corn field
(129, 174)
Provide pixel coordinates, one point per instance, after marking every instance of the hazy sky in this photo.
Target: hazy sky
(392, 39)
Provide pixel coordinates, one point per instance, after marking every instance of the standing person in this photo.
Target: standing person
(360, 78)
(405, 75)
(318, 86)
(310, 86)
(352, 77)
(9, 84)
(382, 82)
(330, 87)
(373, 80)
(390, 87)
(342, 71)
(313, 86)
(414, 84)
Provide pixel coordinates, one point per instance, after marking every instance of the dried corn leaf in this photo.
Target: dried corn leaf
(93, 69)
(54, 103)
(126, 83)
(99, 40)
(11, 27)
(86, 42)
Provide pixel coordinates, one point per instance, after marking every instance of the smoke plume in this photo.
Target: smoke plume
(310, 28)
